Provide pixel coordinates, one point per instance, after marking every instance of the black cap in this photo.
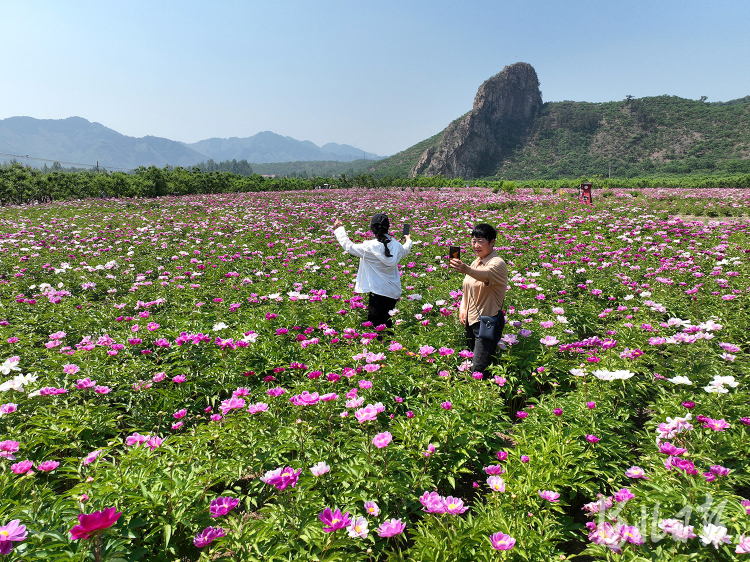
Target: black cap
(381, 220)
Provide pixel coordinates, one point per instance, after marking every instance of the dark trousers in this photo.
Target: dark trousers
(484, 350)
(377, 310)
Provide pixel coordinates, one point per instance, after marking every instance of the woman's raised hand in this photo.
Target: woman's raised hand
(458, 265)
(337, 223)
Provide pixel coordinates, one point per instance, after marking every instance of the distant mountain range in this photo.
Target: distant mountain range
(78, 141)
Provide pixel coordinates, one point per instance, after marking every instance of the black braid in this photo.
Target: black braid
(380, 236)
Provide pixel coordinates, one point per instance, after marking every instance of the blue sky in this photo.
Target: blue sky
(377, 75)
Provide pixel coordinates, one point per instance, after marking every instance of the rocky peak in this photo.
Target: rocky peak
(504, 108)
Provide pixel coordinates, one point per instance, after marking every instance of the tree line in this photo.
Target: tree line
(24, 185)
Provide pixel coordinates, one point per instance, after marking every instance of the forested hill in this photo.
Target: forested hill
(653, 135)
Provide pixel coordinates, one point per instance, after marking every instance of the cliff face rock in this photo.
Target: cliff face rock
(472, 146)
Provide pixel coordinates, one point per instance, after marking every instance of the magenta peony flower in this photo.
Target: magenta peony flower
(136, 439)
(89, 524)
(10, 533)
(21, 467)
(180, 414)
(48, 466)
(282, 478)
(7, 448)
(85, 383)
(623, 495)
(592, 438)
(557, 411)
(207, 536)
(494, 469)
(334, 520)
(8, 408)
(391, 528)
(446, 405)
(222, 505)
(234, 403)
(501, 541)
(432, 502)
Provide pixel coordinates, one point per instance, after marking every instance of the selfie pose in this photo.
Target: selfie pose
(378, 267)
(484, 287)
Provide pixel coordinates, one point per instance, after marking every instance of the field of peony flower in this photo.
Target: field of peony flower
(189, 378)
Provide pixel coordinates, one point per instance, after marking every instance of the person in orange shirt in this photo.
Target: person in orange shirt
(484, 287)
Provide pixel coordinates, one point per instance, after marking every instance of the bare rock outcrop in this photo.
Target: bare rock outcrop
(504, 108)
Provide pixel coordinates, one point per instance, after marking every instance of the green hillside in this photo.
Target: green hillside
(636, 137)
(400, 163)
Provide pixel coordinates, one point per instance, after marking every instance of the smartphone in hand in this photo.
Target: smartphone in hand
(454, 253)
(407, 228)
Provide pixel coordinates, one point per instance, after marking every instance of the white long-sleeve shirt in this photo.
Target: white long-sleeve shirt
(377, 273)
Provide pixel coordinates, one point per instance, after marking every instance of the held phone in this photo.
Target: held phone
(454, 253)
(407, 227)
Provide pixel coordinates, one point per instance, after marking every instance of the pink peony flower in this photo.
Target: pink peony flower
(368, 413)
(496, 483)
(636, 472)
(391, 528)
(501, 541)
(91, 457)
(549, 495)
(372, 509)
(10, 533)
(382, 440)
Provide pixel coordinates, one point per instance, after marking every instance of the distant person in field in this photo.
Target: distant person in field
(378, 267)
(484, 287)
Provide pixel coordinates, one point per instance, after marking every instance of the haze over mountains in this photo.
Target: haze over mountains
(80, 141)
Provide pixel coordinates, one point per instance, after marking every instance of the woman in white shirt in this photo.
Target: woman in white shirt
(378, 267)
